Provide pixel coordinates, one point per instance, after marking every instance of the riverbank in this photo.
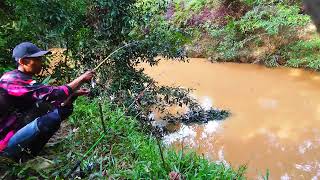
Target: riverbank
(126, 152)
(298, 51)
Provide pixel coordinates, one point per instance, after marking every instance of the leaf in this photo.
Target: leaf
(46, 80)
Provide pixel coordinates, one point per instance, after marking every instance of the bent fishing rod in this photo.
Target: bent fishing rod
(99, 65)
(115, 51)
(77, 164)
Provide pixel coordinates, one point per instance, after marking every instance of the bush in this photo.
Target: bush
(303, 54)
(265, 20)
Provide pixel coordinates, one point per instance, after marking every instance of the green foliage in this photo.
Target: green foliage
(184, 10)
(266, 19)
(302, 54)
(5, 28)
(271, 19)
(5, 69)
(228, 40)
(47, 24)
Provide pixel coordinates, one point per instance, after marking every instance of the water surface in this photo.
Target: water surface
(275, 121)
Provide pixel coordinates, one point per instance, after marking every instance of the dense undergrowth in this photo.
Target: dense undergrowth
(273, 33)
(128, 151)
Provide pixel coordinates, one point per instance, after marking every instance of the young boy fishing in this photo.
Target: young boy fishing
(31, 112)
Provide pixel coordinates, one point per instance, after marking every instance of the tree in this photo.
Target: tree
(90, 31)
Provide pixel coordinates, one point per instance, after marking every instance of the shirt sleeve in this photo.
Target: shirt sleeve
(21, 85)
(53, 94)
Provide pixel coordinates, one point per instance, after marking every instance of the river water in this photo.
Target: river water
(275, 121)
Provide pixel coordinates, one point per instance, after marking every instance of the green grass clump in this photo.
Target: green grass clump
(303, 53)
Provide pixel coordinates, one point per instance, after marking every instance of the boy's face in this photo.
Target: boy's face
(31, 65)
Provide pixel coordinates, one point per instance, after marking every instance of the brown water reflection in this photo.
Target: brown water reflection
(275, 118)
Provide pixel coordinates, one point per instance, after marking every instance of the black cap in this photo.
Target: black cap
(27, 49)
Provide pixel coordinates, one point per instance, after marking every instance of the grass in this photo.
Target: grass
(303, 54)
(128, 151)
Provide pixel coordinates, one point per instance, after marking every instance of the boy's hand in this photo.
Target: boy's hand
(87, 76)
(82, 92)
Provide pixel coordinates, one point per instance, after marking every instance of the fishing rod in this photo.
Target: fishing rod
(98, 66)
(115, 51)
(77, 164)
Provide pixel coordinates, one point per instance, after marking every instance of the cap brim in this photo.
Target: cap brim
(39, 54)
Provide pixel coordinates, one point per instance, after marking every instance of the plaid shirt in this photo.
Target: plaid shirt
(19, 92)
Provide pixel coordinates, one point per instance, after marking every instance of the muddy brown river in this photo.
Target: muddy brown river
(275, 121)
